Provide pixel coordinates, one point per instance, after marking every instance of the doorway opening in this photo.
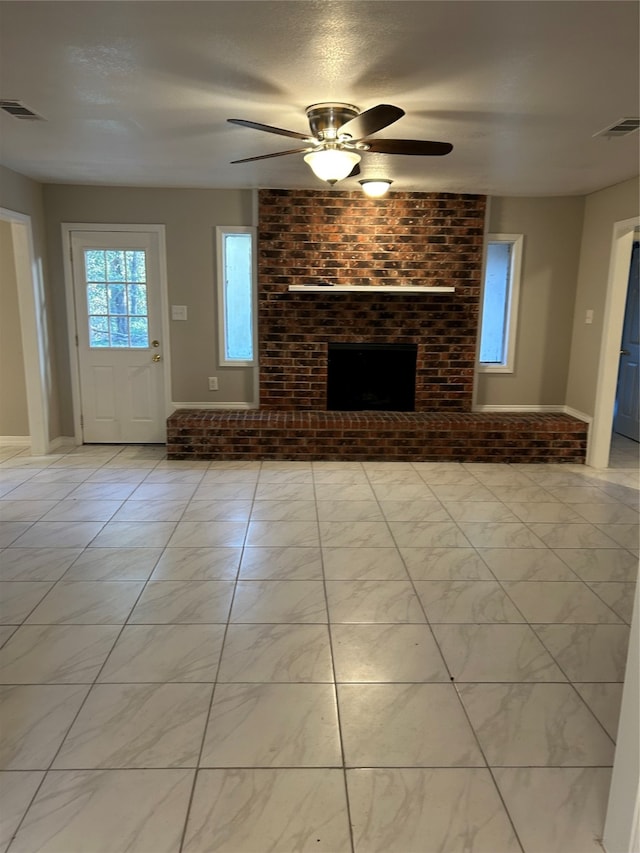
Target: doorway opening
(32, 315)
(626, 418)
(624, 235)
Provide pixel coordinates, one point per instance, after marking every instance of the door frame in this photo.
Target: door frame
(31, 308)
(619, 428)
(607, 381)
(159, 231)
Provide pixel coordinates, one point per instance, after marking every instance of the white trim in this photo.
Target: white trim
(215, 406)
(74, 368)
(622, 823)
(31, 307)
(485, 235)
(160, 232)
(613, 321)
(519, 408)
(569, 410)
(513, 298)
(15, 440)
(558, 409)
(221, 231)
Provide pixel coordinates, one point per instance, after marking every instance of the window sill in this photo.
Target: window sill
(494, 368)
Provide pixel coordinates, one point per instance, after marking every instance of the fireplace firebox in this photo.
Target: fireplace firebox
(371, 377)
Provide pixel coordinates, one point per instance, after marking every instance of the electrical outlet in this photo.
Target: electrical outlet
(213, 383)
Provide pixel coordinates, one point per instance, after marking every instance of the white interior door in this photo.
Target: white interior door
(118, 310)
(627, 411)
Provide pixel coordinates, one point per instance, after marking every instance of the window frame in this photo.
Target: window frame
(511, 313)
(221, 232)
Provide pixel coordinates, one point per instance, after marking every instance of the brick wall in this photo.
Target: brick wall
(425, 239)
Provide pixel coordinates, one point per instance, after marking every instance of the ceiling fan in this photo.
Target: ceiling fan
(339, 134)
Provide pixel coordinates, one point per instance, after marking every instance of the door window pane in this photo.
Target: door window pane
(116, 298)
(98, 332)
(97, 299)
(95, 266)
(139, 331)
(135, 266)
(119, 331)
(116, 270)
(138, 299)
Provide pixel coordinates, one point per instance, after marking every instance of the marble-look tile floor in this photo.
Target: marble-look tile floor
(239, 656)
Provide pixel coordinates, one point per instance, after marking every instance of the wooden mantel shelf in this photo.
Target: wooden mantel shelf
(366, 288)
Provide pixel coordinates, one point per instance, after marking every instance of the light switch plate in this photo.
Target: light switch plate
(178, 312)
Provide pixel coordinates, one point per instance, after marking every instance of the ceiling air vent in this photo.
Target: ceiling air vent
(18, 110)
(622, 127)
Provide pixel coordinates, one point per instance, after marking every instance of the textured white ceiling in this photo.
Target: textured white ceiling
(138, 93)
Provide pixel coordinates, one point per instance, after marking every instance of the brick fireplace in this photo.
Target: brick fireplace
(417, 239)
(420, 239)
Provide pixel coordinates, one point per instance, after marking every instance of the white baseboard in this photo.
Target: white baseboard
(568, 410)
(559, 409)
(17, 440)
(214, 406)
(61, 441)
(519, 408)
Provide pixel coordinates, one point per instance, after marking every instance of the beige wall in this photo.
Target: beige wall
(602, 210)
(14, 416)
(551, 229)
(190, 217)
(22, 195)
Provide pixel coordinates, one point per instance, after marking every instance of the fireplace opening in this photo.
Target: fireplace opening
(365, 377)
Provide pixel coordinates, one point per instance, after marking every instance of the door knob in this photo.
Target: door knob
(624, 352)
(156, 357)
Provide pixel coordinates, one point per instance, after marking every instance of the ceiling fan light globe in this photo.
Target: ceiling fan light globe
(375, 188)
(331, 164)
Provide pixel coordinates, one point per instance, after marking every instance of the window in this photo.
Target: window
(116, 298)
(236, 276)
(500, 303)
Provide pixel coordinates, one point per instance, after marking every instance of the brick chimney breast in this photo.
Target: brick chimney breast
(419, 239)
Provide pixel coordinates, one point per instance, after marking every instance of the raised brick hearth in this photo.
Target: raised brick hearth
(391, 436)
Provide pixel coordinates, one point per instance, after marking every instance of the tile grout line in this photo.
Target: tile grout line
(207, 717)
(333, 670)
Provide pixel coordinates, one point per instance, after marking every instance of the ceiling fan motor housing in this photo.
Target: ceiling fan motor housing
(326, 119)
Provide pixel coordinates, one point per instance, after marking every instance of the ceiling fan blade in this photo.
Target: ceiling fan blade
(269, 129)
(371, 121)
(267, 156)
(354, 172)
(419, 147)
